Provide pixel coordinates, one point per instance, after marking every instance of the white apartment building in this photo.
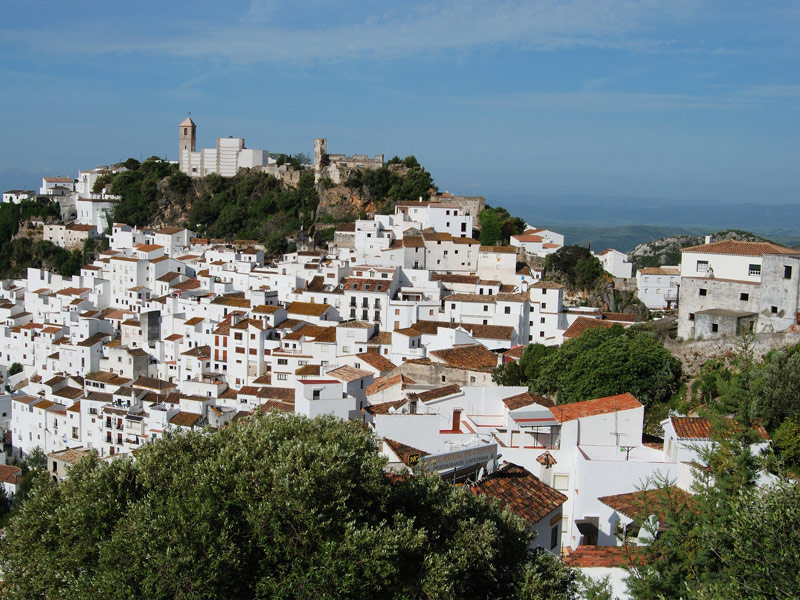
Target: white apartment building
(657, 287)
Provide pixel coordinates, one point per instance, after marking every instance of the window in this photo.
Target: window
(744, 296)
(485, 307)
(554, 537)
(508, 310)
(315, 395)
(774, 310)
(444, 378)
(754, 270)
(703, 291)
(787, 272)
(544, 305)
(541, 334)
(702, 266)
(283, 361)
(281, 376)
(691, 316)
(541, 320)
(714, 327)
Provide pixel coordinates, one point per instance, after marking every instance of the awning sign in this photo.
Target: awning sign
(458, 459)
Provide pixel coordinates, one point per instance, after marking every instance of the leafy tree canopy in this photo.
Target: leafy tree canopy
(497, 226)
(733, 539)
(276, 506)
(601, 362)
(575, 266)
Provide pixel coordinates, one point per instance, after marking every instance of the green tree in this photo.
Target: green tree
(491, 227)
(733, 537)
(36, 459)
(786, 440)
(575, 266)
(776, 390)
(278, 506)
(14, 368)
(605, 362)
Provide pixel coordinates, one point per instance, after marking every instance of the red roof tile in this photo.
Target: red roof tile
(598, 406)
(604, 556)
(523, 492)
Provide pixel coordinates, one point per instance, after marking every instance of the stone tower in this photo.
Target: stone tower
(187, 142)
(320, 151)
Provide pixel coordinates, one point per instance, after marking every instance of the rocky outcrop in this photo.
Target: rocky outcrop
(667, 251)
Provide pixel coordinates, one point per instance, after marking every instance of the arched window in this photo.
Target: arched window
(185, 130)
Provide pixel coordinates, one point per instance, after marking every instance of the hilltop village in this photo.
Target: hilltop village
(398, 322)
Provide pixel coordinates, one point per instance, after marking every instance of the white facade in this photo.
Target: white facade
(615, 263)
(657, 287)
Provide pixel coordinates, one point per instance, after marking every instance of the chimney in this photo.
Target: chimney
(708, 239)
(456, 419)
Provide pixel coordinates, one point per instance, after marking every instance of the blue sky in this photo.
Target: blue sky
(695, 101)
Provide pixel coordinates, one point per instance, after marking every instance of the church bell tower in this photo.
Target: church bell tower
(187, 142)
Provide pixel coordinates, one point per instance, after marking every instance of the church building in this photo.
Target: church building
(226, 159)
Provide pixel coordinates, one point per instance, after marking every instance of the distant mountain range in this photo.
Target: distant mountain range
(624, 223)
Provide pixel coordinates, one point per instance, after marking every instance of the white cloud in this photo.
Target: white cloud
(466, 25)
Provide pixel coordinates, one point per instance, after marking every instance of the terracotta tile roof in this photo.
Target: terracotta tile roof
(738, 248)
(199, 352)
(382, 338)
(376, 361)
(475, 357)
(483, 298)
(581, 324)
(308, 370)
(307, 309)
(355, 325)
(522, 492)
(413, 241)
(500, 249)
(348, 374)
(436, 393)
(229, 301)
(185, 419)
(384, 383)
(515, 352)
(277, 393)
(652, 502)
(604, 556)
(548, 285)
(193, 321)
(384, 408)
(405, 452)
(700, 428)
(525, 399)
(447, 278)
(590, 408)
(616, 316)
(692, 428)
(70, 455)
(660, 270)
(511, 297)
(9, 473)
(408, 332)
(169, 230)
(327, 335)
(266, 309)
(277, 406)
